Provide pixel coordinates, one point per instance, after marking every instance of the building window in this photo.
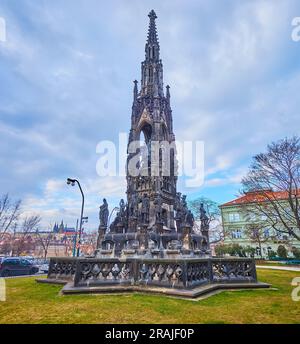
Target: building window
(236, 234)
(234, 217)
(279, 235)
(252, 217)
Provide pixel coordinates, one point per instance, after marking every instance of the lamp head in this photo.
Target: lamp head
(71, 181)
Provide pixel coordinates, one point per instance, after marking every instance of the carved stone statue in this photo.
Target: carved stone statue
(190, 218)
(183, 201)
(133, 205)
(184, 209)
(203, 217)
(145, 209)
(158, 208)
(122, 212)
(103, 214)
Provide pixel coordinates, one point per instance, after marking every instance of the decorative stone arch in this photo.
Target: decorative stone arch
(145, 124)
(196, 243)
(131, 243)
(108, 245)
(154, 242)
(146, 128)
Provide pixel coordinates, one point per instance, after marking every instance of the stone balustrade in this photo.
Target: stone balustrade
(170, 273)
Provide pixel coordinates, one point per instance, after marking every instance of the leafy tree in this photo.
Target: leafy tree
(272, 254)
(232, 250)
(282, 251)
(296, 252)
(250, 251)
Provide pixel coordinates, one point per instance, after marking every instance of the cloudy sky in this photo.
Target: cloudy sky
(66, 72)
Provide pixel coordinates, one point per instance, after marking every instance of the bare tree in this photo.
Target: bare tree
(274, 181)
(9, 214)
(28, 226)
(213, 213)
(257, 235)
(44, 241)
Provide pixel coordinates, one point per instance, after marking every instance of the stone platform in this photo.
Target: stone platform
(182, 277)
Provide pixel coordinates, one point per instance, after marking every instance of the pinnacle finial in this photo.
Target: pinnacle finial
(152, 15)
(168, 91)
(152, 33)
(135, 89)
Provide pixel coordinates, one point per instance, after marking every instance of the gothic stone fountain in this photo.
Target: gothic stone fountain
(151, 245)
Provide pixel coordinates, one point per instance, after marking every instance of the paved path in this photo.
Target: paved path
(273, 267)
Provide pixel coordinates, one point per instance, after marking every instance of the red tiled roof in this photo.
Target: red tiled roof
(260, 196)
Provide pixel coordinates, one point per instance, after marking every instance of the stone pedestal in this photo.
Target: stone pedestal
(132, 224)
(120, 227)
(143, 236)
(101, 233)
(186, 239)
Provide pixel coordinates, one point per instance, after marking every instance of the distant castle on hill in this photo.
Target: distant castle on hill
(62, 228)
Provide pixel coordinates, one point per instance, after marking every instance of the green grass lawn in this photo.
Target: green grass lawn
(31, 302)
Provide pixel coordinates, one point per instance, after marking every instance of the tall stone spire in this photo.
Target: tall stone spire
(152, 69)
(151, 125)
(152, 40)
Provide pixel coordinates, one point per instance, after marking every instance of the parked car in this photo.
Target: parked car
(42, 264)
(44, 268)
(15, 266)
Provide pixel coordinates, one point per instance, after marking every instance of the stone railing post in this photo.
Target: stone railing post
(184, 267)
(51, 264)
(135, 267)
(253, 270)
(210, 271)
(77, 273)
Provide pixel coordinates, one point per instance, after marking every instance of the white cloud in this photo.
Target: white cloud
(232, 69)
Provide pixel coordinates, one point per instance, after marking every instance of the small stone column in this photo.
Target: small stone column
(101, 233)
(143, 236)
(186, 231)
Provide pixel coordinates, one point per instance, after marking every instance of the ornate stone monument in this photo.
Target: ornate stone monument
(152, 244)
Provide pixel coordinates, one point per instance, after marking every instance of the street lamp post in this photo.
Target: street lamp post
(75, 239)
(72, 182)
